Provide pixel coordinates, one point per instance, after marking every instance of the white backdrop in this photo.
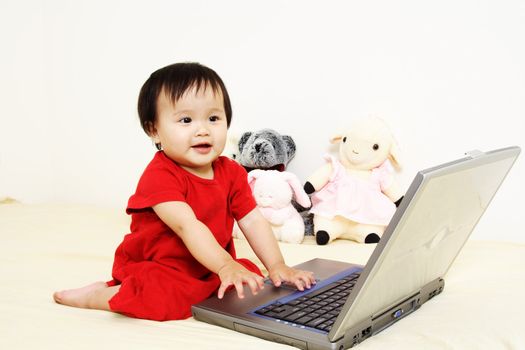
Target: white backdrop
(448, 76)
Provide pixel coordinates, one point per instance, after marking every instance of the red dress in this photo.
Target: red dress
(159, 278)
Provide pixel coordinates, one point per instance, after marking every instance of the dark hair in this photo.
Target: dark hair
(176, 79)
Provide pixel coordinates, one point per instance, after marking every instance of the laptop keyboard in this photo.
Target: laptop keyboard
(318, 309)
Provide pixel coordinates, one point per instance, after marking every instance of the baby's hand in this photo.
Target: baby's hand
(235, 274)
(283, 273)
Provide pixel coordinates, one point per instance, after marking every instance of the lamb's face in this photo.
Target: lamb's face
(365, 147)
(270, 192)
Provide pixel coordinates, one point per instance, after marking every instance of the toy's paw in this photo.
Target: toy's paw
(322, 237)
(309, 188)
(372, 238)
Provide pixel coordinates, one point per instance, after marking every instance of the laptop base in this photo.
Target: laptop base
(243, 321)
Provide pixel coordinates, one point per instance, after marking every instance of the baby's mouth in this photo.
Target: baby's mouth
(202, 147)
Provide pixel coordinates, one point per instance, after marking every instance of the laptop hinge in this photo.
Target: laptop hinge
(474, 153)
(382, 320)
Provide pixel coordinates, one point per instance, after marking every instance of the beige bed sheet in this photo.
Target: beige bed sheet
(48, 247)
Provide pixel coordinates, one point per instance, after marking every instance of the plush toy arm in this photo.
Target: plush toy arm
(299, 194)
(318, 179)
(394, 192)
(284, 214)
(278, 216)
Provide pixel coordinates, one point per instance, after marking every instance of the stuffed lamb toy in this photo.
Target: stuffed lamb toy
(273, 191)
(355, 196)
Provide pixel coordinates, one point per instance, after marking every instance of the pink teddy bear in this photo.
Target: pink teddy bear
(273, 191)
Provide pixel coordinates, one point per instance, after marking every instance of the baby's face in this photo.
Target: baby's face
(192, 131)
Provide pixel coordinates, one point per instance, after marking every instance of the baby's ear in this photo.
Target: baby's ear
(152, 133)
(336, 138)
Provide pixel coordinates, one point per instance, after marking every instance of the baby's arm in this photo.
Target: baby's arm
(260, 236)
(204, 247)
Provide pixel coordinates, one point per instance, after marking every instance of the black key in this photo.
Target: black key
(263, 310)
(315, 314)
(348, 285)
(326, 309)
(304, 319)
(290, 310)
(295, 316)
(322, 326)
(322, 290)
(309, 309)
(314, 323)
(331, 319)
(286, 310)
(355, 276)
(278, 310)
(294, 302)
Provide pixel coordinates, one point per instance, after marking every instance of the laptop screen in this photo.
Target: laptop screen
(440, 210)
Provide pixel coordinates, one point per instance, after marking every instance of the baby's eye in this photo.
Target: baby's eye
(214, 118)
(185, 120)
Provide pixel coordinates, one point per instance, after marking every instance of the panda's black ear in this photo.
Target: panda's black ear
(290, 146)
(244, 138)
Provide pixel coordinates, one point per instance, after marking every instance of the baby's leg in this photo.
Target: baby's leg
(92, 296)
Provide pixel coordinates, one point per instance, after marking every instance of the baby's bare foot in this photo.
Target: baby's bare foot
(78, 297)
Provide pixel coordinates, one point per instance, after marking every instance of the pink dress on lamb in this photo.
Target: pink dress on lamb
(356, 199)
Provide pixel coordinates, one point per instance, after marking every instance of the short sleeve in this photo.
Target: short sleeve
(385, 175)
(159, 183)
(241, 198)
(336, 166)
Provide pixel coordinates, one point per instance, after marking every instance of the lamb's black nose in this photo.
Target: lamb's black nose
(258, 147)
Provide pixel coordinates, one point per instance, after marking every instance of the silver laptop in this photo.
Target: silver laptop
(351, 303)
